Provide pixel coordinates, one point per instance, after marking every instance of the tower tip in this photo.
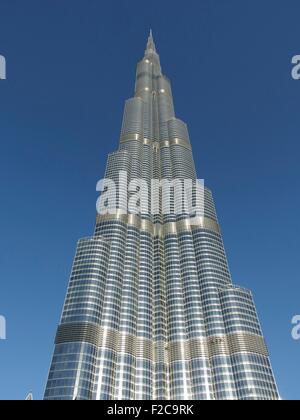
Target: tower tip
(150, 43)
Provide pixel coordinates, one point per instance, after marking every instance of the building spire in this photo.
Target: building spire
(150, 43)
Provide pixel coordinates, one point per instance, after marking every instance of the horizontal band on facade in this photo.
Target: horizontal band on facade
(165, 143)
(139, 347)
(158, 229)
(176, 141)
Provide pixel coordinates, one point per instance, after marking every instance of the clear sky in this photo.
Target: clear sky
(70, 66)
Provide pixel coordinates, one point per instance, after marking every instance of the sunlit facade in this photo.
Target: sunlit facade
(151, 311)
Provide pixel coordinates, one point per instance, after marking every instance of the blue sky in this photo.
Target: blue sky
(70, 66)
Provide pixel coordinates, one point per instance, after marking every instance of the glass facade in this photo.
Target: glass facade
(151, 311)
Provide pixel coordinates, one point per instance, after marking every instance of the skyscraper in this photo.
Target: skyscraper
(151, 311)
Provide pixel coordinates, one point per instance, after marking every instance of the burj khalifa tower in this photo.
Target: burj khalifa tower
(151, 312)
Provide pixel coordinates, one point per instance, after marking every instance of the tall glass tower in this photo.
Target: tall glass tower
(151, 311)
